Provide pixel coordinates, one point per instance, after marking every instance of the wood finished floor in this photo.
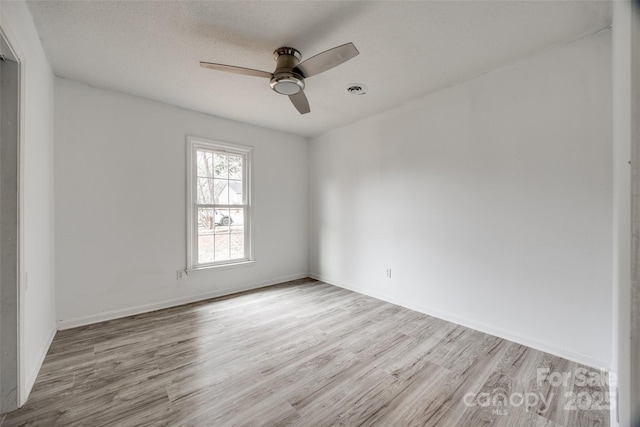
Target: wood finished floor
(302, 353)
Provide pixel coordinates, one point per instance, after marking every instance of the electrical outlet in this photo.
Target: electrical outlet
(179, 274)
(388, 273)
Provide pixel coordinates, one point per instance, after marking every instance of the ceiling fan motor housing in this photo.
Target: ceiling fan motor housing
(286, 81)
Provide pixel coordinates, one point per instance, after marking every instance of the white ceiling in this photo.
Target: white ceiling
(407, 49)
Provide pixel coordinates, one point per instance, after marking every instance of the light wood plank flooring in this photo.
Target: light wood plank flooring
(302, 353)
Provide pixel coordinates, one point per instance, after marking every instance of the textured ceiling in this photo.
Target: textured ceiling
(407, 49)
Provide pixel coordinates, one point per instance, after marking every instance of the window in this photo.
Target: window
(218, 203)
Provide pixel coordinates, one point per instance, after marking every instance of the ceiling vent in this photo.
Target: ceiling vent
(357, 89)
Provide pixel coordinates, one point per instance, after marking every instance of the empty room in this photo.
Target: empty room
(319, 213)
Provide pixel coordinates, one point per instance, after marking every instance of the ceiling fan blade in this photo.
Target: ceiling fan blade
(237, 70)
(299, 100)
(327, 60)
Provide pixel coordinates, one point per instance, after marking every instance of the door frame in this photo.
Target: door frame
(15, 53)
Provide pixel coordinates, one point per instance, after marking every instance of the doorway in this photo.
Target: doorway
(10, 374)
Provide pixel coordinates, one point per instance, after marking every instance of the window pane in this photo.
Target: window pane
(237, 216)
(235, 193)
(236, 243)
(205, 188)
(205, 220)
(205, 163)
(205, 235)
(220, 165)
(222, 247)
(222, 220)
(205, 248)
(235, 167)
(221, 191)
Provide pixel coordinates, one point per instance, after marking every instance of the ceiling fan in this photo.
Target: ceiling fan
(288, 78)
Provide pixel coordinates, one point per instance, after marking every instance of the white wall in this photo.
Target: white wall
(491, 201)
(120, 205)
(38, 290)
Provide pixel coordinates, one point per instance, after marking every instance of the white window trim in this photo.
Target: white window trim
(193, 144)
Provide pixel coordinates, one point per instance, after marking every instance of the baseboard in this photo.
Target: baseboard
(537, 345)
(30, 378)
(145, 308)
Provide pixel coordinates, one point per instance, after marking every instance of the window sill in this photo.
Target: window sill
(221, 266)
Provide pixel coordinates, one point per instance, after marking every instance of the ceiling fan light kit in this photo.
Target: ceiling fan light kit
(288, 78)
(285, 80)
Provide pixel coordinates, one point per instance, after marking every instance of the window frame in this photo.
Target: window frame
(193, 145)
